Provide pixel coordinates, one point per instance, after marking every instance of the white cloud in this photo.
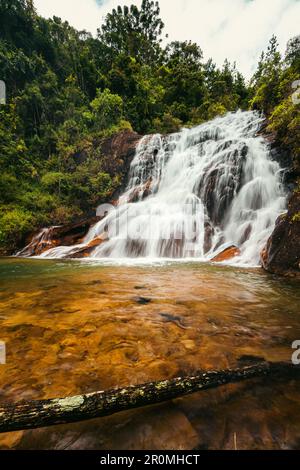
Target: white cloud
(82, 14)
(236, 29)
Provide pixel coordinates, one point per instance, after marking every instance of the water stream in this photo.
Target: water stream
(146, 305)
(74, 327)
(194, 193)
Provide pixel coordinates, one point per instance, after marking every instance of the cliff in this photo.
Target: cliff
(116, 153)
(281, 254)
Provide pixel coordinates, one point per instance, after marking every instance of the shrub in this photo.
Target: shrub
(14, 224)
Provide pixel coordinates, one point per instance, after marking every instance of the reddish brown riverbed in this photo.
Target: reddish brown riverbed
(74, 327)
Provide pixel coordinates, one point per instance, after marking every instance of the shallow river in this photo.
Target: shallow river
(74, 327)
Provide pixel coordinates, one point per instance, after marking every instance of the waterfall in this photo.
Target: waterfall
(194, 193)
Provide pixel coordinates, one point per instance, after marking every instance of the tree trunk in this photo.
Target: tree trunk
(39, 413)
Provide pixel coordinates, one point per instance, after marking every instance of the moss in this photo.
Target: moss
(70, 403)
(161, 385)
(296, 217)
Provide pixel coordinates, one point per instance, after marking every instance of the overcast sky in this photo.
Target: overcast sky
(236, 29)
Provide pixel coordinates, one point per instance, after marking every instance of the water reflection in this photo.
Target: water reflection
(72, 327)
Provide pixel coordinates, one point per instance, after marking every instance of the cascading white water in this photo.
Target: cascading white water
(194, 193)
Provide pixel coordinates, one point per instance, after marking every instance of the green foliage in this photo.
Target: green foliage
(134, 32)
(14, 224)
(167, 124)
(215, 109)
(68, 90)
(107, 109)
(272, 94)
(267, 78)
(285, 121)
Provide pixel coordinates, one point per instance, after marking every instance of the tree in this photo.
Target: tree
(107, 109)
(183, 78)
(67, 90)
(292, 54)
(184, 53)
(133, 31)
(266, 80)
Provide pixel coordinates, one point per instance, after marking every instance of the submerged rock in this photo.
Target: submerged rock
(281, 254)
(142, 300)
(227, 254)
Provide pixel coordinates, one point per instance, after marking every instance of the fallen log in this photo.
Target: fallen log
(40, 413)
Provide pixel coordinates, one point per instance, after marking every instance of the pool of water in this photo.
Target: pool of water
(74, 327)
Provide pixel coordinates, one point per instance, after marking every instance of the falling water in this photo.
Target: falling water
(194, 193)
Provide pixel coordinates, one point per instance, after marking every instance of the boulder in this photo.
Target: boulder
(62, 235)
(140, 192)
(227, 254)
(87, 249)
(281, 255)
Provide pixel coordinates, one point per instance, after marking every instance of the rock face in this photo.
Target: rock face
(281, 254)
(116, 153)
(66, 235)
(140, 192)
(86, 250)
(227, 254)
(282, 155)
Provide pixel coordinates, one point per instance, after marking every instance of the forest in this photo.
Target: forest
(67, 90)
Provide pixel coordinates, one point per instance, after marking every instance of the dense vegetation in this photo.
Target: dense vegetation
(67, 90)
(275, 90)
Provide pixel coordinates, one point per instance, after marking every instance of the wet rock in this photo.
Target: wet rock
(123, 144)
(142, 300)
(246, 235)
(227, 254)
(87, 249)
(162, 427)
(136, 248)
(10, 440)
(249, 359)
(218, 187)
(208, 236)
(188, 344)
(66, 235)
(281, 254)
(140, 192)
(116, 153)
(168, 317)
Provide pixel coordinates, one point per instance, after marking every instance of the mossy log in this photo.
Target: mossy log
(40, 413)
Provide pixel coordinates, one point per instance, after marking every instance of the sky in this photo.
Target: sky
(235, 29)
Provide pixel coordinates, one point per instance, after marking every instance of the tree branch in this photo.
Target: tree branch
(39, 413)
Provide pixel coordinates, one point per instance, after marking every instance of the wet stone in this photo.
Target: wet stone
(142, 300)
